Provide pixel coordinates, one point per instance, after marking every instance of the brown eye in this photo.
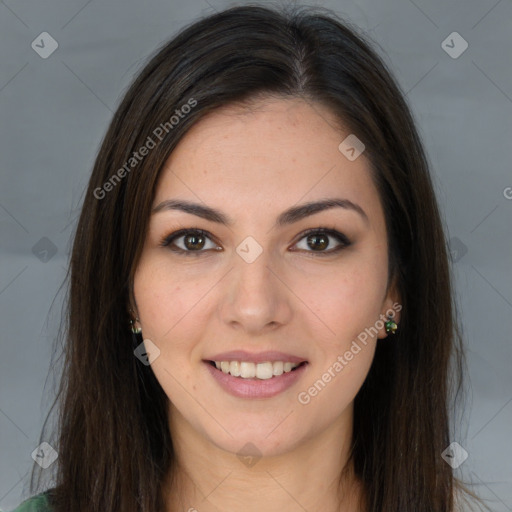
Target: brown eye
(319, 239)
(193, 241)
(188, 242)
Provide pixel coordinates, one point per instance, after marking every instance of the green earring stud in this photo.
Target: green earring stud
(391, 326)
(135, 330)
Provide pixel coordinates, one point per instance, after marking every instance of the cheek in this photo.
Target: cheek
(165, 302)
(348, 307)
(346, 300)
(167, 299)
(331, 391)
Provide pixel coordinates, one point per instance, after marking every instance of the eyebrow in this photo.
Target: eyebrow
(293, 214)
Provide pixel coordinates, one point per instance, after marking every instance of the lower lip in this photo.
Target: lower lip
(255, 388)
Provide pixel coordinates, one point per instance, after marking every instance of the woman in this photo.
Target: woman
(260, 294)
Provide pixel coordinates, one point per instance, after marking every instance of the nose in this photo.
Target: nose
(255, 299)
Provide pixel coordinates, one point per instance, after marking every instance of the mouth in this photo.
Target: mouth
(256, 380)
(252, 375)
(256, 371)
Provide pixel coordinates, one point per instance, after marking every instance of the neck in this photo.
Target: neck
(315, 475)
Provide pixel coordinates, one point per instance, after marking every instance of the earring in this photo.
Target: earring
(135, 330)
(391, 326)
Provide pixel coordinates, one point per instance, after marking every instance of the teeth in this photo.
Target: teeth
(235, 368)
(287, 367)
(264, 371)
(248, 370)
(278, 368)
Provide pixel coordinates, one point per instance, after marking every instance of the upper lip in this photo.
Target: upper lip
(260, 357)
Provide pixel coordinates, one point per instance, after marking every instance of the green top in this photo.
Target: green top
(37, 503)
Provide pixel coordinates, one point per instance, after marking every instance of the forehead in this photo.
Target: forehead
(277, 151)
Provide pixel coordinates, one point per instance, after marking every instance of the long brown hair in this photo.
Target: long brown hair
(114, 443)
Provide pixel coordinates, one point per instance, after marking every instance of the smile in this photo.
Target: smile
(248, 380)
(249, 370)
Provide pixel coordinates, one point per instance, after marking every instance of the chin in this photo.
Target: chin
(256, 447)
(267, 438)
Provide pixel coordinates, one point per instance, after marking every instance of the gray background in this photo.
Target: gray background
(54, 112)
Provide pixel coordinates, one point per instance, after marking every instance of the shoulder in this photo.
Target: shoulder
(38, 503)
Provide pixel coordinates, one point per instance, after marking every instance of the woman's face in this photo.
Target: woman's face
(254, 291)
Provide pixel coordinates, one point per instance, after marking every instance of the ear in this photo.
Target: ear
(134, 318)
(391, 306)
(131, 308)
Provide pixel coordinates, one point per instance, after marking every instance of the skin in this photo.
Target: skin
(253, 165)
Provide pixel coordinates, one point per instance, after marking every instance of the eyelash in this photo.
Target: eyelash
(340, 237)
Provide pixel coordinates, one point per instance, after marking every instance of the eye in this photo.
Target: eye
(193, 242)
(318, 240)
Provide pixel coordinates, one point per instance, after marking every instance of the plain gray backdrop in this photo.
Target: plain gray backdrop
(55, 110)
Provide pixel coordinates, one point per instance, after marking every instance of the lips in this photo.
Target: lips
(260, 357)
(248, 370)
(261, 375)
